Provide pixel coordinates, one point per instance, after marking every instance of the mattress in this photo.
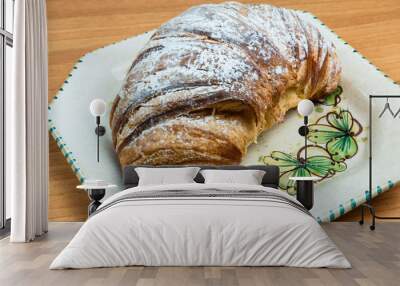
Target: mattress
(201, 225)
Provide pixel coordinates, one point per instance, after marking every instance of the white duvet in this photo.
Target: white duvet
(190, 231)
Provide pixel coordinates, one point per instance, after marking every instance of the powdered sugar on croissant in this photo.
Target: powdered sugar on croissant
(212, 79)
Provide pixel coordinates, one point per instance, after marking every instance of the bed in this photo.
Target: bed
(201, 224)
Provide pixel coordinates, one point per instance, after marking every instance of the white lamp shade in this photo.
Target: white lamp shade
(97, 107)
(305, 107)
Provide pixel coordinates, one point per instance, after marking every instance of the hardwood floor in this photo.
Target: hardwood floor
(76, 27)
(375, 257)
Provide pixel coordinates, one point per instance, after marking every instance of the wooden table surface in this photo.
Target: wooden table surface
(76, 27)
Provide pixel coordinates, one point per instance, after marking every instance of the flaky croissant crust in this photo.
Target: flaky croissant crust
(212, 79)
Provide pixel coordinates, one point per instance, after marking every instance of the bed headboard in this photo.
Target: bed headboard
(270, 179)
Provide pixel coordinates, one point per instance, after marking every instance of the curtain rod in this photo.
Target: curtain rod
(384, 96)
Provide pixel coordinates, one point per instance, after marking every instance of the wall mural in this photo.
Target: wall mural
(337, 141)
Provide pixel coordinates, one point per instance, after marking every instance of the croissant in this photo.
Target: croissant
(209, 81)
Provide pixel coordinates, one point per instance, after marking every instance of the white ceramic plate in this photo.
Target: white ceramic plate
(99, 74)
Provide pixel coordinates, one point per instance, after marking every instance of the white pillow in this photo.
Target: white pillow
(166, 176)
(248, 177)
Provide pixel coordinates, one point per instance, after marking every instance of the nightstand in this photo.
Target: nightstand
(96, 191)
(305, 190)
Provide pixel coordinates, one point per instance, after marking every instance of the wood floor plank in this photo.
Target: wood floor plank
(375, 258)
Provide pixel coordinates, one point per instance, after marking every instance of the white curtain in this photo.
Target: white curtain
(26, 123)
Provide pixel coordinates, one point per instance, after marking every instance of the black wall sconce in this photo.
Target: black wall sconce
(305, 108)
(98, 109)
